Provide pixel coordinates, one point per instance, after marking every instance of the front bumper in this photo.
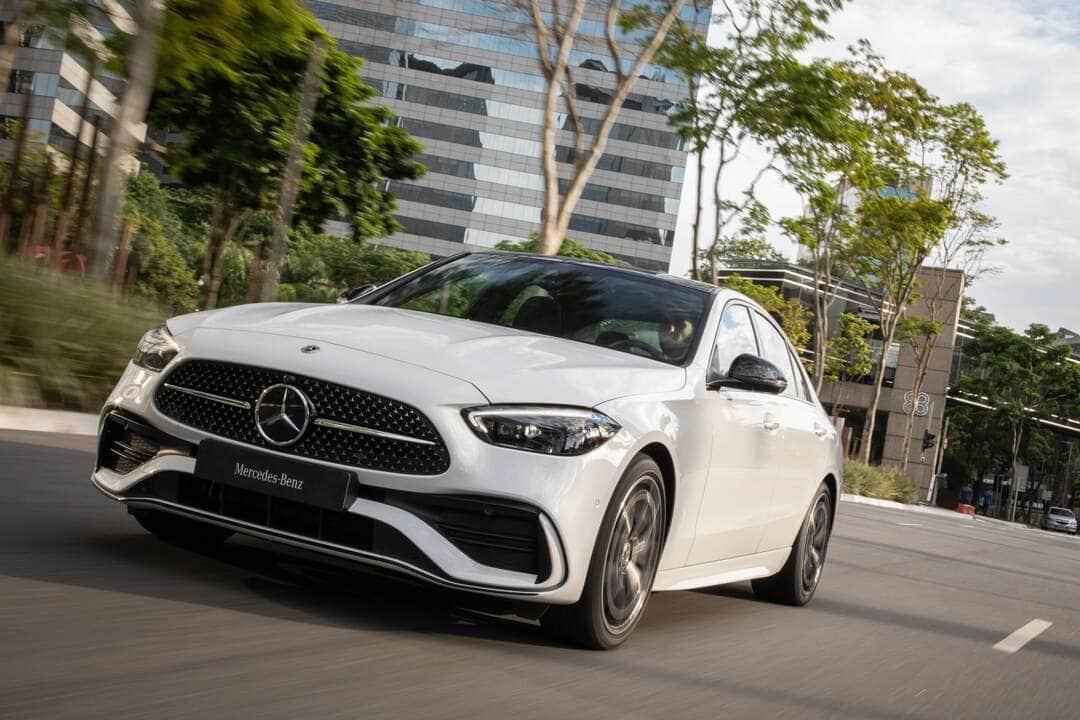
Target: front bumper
(567, 496)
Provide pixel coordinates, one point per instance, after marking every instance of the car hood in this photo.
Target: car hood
(506, 365)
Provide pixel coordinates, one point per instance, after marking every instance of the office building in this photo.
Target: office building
(463, 78)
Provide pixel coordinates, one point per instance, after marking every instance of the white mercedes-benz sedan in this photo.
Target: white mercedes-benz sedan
(538, 429)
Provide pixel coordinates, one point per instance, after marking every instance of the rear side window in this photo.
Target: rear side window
(734, 337)
(775, 349)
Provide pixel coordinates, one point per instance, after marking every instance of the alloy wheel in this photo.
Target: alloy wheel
(632, 555)
(817, 540)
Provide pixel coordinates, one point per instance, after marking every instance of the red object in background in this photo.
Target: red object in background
(69, 261)
(966, 509)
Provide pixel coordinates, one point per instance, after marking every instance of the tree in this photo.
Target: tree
(850, 355)
(294, 165)
(568, 248)
(319, 266)
(880, 108)
(748, 88)
(236, 123)
(739, 248)
(791, 314)
(555, 33)
(130, 113)
(1022, 378)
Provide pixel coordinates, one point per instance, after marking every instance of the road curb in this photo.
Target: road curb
(893, 505)
(50, 421)
(927, 510)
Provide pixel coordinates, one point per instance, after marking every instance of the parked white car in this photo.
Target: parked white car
(1059, 518)
(539, 429)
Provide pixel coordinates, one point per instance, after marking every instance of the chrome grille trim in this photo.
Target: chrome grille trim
(369, 431)
(242, 404)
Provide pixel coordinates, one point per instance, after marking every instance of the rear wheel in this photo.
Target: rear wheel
(181, 530)
(798, 579)
(623, 564)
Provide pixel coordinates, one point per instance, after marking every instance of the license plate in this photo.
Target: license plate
(271, 475)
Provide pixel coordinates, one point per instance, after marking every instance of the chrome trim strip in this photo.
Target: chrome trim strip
(335, 425)
(243, 404)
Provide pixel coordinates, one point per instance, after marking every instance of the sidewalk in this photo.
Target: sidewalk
(928, 510)
(50, 421)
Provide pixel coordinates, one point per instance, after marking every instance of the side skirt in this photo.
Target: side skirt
(722, 572)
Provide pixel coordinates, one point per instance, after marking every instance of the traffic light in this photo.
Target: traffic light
(928, 439)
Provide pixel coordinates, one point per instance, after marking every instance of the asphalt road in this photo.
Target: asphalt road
(100, 620)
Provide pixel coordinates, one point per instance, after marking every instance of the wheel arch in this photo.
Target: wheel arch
(834, 494)
(661, 455)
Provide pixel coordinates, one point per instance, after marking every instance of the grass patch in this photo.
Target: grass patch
(884, 483)
(63, 342)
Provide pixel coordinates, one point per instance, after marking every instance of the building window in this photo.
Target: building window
(20, 81)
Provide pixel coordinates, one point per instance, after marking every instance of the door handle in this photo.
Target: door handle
(820, 430)
(770, 423)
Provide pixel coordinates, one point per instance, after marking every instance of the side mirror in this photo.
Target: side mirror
(751, 372)
(357, 292)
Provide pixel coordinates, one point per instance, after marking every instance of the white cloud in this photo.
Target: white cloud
(1016, 61)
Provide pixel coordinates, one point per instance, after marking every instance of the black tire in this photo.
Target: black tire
(614, 598)
(797, 581)
(182, 531)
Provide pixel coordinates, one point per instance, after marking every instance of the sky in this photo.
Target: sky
(1018, 63)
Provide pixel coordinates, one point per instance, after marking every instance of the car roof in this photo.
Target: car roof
(673, 279)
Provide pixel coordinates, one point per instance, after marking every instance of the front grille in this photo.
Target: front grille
(331, 402)
(339, 528)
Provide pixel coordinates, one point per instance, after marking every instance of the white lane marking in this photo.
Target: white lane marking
(909, 524)
(1023, 636)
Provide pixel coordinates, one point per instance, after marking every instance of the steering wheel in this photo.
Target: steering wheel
(632, 343)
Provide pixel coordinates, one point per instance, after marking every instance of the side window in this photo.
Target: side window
(775, 349)
(802, 391)
(734, 337)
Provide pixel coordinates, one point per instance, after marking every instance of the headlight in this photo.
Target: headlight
(549, 430)
(156, 349)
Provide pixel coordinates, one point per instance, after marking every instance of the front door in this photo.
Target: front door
(736, 504)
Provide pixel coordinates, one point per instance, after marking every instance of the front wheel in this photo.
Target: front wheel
(623, 564)
(798, 579)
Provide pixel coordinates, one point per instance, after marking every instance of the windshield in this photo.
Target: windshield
(1061, 512)
(623, 311)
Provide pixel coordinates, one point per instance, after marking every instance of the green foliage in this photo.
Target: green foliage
(850, 355)
(236, 118)
(791, 314)
(882, 482)
(568, 248)
(63, 345)
(319, 267)
(163, 275)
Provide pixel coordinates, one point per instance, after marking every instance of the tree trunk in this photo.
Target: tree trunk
(294, 166)
(224, 237)
(78, 241)
(67, 197)
(40, 217)
(879, 380)
(699, 210)
(1018, 436)
(13, 31)
(122, 254)
(7, 208)
(255, 281)
(130, 112)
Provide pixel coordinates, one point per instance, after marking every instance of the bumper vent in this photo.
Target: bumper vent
(126, 443)
(221, 396)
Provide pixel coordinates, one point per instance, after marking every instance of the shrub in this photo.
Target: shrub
(63, 342)
(884, 483)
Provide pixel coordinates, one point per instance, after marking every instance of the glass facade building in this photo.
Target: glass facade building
(56, 80)
(463, 77)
